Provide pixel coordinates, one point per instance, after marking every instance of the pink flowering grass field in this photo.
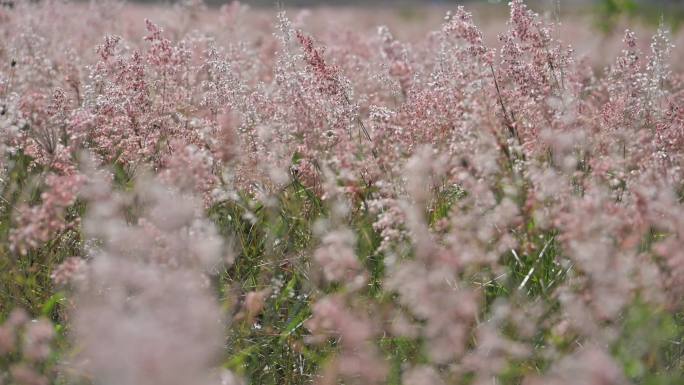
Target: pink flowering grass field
(195, 195)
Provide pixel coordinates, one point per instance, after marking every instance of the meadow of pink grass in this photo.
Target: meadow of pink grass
(196, 195)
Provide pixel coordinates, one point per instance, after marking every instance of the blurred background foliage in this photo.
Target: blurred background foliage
(607, 14)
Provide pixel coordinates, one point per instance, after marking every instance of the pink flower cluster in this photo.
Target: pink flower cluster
(471, 198)
(25, 345)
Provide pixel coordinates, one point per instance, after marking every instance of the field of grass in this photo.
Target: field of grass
(417, 196)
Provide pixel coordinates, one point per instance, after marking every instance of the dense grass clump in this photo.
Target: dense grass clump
(229, 197)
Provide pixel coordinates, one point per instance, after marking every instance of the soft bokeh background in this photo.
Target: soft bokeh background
(589, 26)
